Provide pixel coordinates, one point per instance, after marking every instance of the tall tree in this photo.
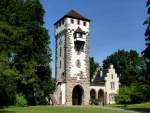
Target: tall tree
(146, 52)
(26, 41)
(147, 32)
(128, 65)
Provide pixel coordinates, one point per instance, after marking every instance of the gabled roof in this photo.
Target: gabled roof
(79, 30)
(98, 78)
(73, 14)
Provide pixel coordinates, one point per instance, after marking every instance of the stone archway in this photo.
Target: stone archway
(77, 95)
(92, 96)
(101, 96)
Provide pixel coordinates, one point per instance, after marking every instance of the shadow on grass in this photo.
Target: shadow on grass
(141, 110)
(2, 110)
(5, 111)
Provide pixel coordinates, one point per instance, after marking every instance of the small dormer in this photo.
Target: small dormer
(79, 39)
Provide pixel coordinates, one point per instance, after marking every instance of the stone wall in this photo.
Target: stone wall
(71, 83)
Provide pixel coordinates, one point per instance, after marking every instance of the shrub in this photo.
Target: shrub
(123, 96)
(133, 94)
(21, 100)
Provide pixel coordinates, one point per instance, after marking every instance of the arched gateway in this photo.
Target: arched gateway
(77, 95)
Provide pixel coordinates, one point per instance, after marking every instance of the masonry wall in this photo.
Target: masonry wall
(66, 69)
(73, 73)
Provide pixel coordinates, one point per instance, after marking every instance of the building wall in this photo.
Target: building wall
(68, 74)
(60, 43)
(73, 73)
(63, 93)
(74, 70)
(97, 89)
(111, 91)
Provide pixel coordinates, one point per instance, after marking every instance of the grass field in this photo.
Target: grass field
(135, 107)
(49, 109)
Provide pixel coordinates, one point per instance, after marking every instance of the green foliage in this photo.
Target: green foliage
(132, 94)
(25, 44)
(128, 65)
(123, 96)
(20, 12)
(8, 76)
(21, 100)
(93, 66)
(147, 34)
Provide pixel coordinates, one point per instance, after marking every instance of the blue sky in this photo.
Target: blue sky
(115, 24)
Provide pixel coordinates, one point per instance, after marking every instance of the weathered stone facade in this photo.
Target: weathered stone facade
(65, 30)
(73, 81)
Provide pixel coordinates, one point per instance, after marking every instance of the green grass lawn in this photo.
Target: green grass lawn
(136, 107)
(59, 109)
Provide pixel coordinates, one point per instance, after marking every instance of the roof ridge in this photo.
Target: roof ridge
(73, 14)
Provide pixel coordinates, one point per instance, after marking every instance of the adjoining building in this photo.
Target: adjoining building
(72, 65)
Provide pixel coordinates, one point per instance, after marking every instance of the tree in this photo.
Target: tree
(146, 52)
(123, 96)
(128, 65)
(93, 66)
(26, 41)
(8, 75)
(147, 33)
(135, 93)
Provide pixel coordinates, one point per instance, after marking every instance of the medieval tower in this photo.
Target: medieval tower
(72, 59)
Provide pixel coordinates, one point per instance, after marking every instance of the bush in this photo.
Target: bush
(21, 100)
(123, 96)
(133, 94)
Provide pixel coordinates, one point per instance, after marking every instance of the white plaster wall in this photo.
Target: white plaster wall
(60, 28)
(75, 70)
(57, 93)
(63, 90)
(109, 79)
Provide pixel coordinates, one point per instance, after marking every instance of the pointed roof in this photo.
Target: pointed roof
(79, 30)
(73, 14)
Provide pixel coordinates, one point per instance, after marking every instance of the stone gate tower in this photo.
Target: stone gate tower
(72, 59)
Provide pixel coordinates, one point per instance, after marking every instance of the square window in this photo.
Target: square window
(59, 24)
(112, 85)
(72, 21)
(78, 22)
(80, 35)
(62, 22)
(84, 23)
